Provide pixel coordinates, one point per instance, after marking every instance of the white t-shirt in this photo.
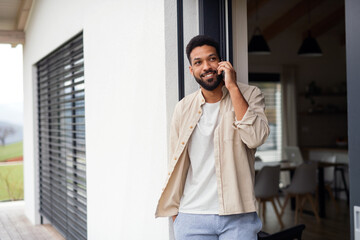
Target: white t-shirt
(200, 193)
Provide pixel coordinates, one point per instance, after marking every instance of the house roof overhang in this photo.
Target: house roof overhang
(13, 18)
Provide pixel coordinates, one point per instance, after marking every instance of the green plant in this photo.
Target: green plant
(11, 151)
(11, 182)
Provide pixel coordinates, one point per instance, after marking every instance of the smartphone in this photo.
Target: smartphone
(221, 76)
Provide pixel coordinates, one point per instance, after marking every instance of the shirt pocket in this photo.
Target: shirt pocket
(230, 132)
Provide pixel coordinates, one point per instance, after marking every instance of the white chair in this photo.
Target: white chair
(293, 154)
(267, 189)
(302, 186)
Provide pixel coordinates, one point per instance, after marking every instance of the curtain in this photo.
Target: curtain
(289, 126)
(289, 120)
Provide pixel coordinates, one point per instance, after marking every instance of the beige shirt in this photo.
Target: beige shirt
(235, 143)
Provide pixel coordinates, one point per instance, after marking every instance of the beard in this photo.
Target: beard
(211, 83)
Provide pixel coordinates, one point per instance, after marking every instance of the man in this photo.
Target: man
(214, 134)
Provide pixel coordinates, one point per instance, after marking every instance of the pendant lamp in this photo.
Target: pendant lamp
(310, 47)
(258, 44)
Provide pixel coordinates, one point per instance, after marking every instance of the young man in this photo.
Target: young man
(214, 134)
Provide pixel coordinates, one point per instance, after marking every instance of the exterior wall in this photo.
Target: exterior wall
(124, 51)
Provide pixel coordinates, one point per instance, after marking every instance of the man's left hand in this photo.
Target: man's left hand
(230, 74)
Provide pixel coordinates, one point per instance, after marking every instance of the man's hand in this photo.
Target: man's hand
(230, 74)
(238, 101)
(174, 217)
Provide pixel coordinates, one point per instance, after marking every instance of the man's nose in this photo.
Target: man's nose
(206, 65)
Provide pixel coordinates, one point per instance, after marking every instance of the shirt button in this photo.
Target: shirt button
(169, 173)
(191, 127)
(182, 143)
(175, 158)
(199, 111)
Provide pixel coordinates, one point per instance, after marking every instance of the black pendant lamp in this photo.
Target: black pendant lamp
(258, 44)
(310, 47)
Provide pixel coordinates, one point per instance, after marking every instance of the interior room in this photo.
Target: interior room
(305, 90)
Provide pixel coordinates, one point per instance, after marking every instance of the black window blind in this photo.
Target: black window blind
(61, 139)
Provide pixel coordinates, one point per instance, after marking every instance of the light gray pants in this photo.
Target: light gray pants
(215, 227)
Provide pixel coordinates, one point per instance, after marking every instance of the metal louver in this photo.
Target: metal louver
(61, 139)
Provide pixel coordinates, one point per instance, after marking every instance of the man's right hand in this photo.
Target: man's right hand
(174, 217)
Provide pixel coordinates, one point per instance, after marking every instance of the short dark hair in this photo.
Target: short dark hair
(201, 40)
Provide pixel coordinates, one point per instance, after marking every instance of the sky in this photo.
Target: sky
(11, 84)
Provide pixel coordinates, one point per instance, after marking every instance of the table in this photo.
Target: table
(286, 165)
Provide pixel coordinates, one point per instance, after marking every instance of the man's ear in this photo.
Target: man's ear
(191, 70)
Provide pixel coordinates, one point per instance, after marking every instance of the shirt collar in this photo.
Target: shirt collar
(202, 99)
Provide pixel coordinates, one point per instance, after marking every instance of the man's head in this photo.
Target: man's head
(201, 40)
(204, 57)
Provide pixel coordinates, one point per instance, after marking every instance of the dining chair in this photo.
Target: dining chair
(302, 186)
(287, 234)
(267, 189)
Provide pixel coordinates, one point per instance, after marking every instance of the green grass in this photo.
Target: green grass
(11, 151)
(11, 182)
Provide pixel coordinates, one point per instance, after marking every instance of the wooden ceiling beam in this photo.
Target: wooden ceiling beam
(280, 24)
(327, 23)
(251, 6)
(23, 14)
(12, 37)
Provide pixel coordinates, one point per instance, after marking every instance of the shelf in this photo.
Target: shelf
(323, 113)
(323, 95)
(326, 148)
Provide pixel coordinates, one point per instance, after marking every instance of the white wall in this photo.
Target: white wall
(171, 57)
(125, 104)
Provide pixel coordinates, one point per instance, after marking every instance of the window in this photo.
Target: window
(270, 85)
(61, 136)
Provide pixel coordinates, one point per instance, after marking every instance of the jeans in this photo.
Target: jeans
(215, 227)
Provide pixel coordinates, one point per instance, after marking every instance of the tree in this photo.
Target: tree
(4, 133)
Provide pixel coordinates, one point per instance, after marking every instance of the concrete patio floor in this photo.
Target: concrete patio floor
(15, 226)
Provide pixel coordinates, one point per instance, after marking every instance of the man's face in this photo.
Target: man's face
(204, 64)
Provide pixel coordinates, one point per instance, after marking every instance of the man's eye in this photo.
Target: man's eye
(196, 63)
(213, 59)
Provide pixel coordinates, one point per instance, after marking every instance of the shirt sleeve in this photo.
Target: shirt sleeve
(248, 119)
(253, 127)
(174, 131)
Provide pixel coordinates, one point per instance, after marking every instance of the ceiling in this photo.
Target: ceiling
(275, 17)
(13, 17)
